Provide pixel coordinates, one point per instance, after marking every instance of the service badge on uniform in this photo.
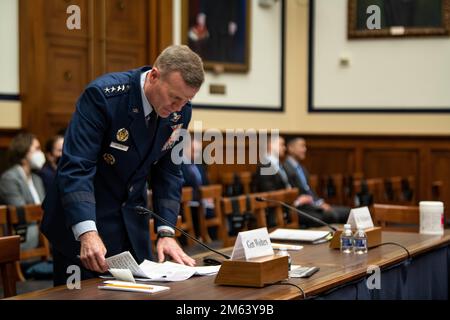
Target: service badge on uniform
(175, 117)
(173, 137)
(122, 135)
(109, 159)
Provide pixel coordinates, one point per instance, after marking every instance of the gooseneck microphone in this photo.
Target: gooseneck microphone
(144, 211)
(302, 213)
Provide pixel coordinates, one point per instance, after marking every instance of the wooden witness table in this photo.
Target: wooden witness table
(335, 269)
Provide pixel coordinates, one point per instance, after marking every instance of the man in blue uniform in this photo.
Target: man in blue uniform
(124, 128)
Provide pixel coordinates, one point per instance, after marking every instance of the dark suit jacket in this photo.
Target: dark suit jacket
(266, 183)
(102, 173)
(47, 174)
(295, 181)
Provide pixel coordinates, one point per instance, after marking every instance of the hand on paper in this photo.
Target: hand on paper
(92, 252)
(170, 247)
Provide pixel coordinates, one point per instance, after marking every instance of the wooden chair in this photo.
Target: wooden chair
(436, 190)
(32, 214)
(228, 210)
(186, 214)
(9, 256)
(259, 209)
(399, 196)
(275, 208)
(374, 188)
(396, 217)
(3, 221)
(335, 183)
(245, 178)
(292, 220)
(213, 192)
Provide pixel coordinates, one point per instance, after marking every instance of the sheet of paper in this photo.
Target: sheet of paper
(298, 235)
(199, 271)
(122, 275)
(125, 260)
(166, 271)
(131, 287)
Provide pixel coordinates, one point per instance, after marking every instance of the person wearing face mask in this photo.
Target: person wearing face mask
(19, 185)
(53, 153)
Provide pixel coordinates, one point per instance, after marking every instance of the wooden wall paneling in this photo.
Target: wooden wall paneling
(126, 34)
(331, 160)
(56, 17)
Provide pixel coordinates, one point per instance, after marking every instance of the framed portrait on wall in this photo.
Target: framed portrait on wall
(406, 18)
(219, 31)
(245, 69)
(387, 75)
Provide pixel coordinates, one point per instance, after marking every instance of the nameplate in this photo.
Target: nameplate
(252, 244)
(360, 218)
(119, 146)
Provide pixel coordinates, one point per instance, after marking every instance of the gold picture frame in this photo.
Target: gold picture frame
(413, 18)
(212, 36)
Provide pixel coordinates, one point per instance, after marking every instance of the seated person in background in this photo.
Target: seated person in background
(195, 176)
(308, 200)
(275, 178)
(53, 152)
(19, 186)
(270, 175)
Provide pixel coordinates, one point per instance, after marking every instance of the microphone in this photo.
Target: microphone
(302, 213)
(144, 211)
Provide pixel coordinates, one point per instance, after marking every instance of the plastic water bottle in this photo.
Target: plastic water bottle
(284, 252)
(360, 242)
(347, 239)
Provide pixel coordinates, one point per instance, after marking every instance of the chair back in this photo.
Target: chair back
(187, 224)
(396, 217)
(236, 213)
(9, 256)
(3, 221)
(292, 219)
(28, 214)
(207, 194)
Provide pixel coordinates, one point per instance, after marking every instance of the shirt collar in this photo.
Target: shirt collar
(145, 103)
(273, 160)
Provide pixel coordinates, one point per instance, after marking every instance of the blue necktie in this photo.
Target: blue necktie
(302, 177)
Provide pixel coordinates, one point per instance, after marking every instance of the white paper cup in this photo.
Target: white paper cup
(431, 217)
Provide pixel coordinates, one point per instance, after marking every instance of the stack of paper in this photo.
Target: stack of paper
(298, 235)
(152, 271)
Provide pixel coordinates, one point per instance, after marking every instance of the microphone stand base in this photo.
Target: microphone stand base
(256, 272)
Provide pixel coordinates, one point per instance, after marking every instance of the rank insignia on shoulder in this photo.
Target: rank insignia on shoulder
(109, 159)
(122, 135)
(114, 90)
(175, 117)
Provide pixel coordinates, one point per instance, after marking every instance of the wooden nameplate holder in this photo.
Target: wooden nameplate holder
(256, 272)
(373, 238)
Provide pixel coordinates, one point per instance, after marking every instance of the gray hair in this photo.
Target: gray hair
(182, 59)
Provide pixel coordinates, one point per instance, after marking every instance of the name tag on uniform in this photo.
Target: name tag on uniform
(119, 146)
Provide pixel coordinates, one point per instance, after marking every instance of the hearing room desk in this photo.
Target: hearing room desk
(340, 276)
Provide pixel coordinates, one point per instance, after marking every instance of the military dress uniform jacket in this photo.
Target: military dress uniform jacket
(107, 157)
